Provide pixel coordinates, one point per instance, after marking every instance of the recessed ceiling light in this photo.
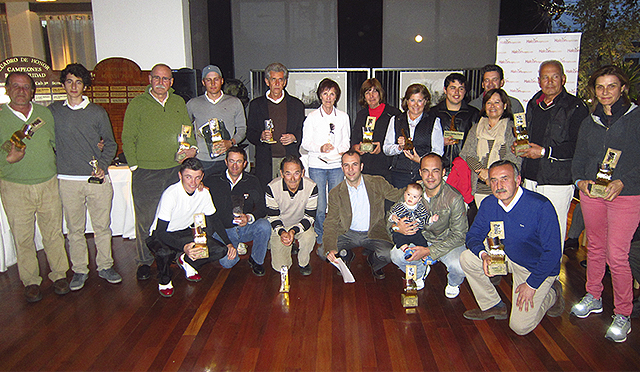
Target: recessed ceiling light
(418, 38)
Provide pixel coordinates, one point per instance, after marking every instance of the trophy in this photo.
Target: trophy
(367, 134)
(183, 137)
(238, 207)
(200, 236)
(27, 132)
(284, 279)
(408, 143)
(211, 131)
(520, 129)
(332, 135)
(453, 133)
(605, 173)
(498, 264)
(268, 125)
(94, 165)
(410, 295)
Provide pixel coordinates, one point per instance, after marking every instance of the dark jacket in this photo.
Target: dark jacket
(594, 140)
(463, 120)
(421, 141)
(377, 164)
(559, 142)
(258, 113)
(248, 188)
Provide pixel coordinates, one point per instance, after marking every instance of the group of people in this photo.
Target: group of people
(452, 170)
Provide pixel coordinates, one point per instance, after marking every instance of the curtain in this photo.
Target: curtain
(71, 40)
(5, 42)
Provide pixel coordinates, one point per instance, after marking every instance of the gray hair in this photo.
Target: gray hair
(276, 67)
(499, 163)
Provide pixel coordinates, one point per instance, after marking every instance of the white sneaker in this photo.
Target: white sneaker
(451, 291)
(427, 272)
(419, 284)
(242, 249)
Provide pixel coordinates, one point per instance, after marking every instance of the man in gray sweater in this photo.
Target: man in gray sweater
(82, 173)
(216, 109)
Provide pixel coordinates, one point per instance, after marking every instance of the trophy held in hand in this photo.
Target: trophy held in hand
(94, 179)
(183, 143)
(367, 134)
(18, 136)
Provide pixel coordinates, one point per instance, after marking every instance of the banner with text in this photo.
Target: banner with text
(520, 57)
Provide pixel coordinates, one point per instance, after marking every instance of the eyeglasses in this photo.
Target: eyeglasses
(163, 78)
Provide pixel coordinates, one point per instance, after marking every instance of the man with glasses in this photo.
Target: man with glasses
(155, 137)
(493, 77)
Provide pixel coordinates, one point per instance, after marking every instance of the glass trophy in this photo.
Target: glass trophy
(284, 279)
(238, 207)
(410, 295)
(367, 134)
(183, 143)
(93, 179)
(408, 143)
(268, 125)
(498, 264)
(520, 129)
(18, 136)
(605, 173)
(200, 235)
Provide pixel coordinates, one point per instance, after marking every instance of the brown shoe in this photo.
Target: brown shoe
(558, 308)
(498, 313)
(32, 293)
(61, 287)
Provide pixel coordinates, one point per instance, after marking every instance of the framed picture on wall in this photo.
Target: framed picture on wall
(303, 84)
(433, 80)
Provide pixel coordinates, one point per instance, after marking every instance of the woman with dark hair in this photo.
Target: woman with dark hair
(414, 126)
(372, 99)
(325, 135)
(607, 171)
(489, 140)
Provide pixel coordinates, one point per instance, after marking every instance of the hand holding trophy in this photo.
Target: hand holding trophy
(268, 127)
(183, 139)
(18, 136)
(200, 235)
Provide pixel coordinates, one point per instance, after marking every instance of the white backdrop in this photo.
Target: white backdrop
(520, 57)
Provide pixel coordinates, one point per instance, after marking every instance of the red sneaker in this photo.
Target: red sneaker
(166, 290)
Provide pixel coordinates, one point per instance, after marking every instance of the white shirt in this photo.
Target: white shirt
(177, 207)
(316, 132)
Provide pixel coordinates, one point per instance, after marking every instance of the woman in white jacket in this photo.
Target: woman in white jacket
(325, 135)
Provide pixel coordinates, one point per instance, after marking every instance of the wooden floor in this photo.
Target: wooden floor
(232, 320)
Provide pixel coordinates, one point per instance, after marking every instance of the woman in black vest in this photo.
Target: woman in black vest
(421, 128)
(372, 99)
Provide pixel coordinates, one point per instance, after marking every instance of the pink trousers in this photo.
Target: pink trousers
(610, 226)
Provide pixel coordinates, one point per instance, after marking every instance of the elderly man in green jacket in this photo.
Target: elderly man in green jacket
(360, 195)
(156, 127)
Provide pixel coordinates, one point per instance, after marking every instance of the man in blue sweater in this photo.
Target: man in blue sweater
(531, 235)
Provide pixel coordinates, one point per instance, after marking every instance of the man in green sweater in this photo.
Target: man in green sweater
(29, 187)
(156, 123)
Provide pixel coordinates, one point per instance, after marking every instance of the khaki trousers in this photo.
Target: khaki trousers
(281, 254)
(22, 203)
(520, 321)
(78, 197)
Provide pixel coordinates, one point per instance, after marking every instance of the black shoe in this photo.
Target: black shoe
(377, 274)
(258, 269)
(32, 293)
(144, 272)
(295, 248)
(305, 270)
(571, 243)
(61, 287)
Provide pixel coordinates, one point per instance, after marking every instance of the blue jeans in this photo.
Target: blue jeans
(451, 260)
(322, 177)
(259, 232)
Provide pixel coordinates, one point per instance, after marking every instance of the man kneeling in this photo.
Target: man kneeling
(171, 232)
(527, 224)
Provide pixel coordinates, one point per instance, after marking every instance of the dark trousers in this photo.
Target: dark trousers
(380, 249)
(416, 239)
(147, 186)
(166, 254)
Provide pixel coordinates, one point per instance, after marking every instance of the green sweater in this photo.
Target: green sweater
(150, 131)
(39, 162)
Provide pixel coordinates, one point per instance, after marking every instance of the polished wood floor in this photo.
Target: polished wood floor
(234, 321)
